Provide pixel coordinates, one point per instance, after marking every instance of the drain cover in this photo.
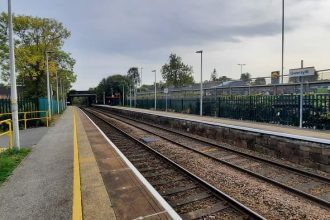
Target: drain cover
(150, 139)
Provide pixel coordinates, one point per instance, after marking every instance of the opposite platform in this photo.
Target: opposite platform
(272, 129)
(306, 147)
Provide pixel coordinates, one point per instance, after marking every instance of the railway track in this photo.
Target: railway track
(189, 195)
(306, 184)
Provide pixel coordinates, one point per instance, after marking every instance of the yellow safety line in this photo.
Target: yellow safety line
(76, 202)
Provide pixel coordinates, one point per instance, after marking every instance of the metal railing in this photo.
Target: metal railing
(33, 114)
(276, 109)
(8, 133)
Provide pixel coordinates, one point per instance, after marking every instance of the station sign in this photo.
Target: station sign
(166, 90)
(309, 71)
(275, 77)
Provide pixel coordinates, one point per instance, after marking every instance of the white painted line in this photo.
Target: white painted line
(274, 133)
(145, 182)
(148, 216)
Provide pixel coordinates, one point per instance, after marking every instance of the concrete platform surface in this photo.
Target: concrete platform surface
(96, 203)
(41, 186)
(28, 137)
(244, 125)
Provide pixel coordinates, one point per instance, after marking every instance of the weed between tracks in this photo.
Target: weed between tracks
(9, 160)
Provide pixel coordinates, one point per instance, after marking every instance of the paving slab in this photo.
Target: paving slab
(41, 186)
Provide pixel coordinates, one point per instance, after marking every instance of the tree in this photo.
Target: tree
(259, 81)
(133, 75)
(176, 73)
(33, 37)
(214, 75)
(224, 79)
(112, 85)
(246, 77)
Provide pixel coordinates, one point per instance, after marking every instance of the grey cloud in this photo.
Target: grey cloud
(131, 26)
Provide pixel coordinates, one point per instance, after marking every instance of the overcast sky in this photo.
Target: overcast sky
(109, 36)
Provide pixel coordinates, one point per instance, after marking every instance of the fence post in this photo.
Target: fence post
(218, 107)
(10, 135)
(47, 117)
(24, 120)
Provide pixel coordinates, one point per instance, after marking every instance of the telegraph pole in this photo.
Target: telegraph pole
(13, 89)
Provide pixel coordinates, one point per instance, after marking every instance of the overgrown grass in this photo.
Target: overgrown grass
(9, 160)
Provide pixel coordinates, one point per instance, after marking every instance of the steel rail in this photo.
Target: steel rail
(274, 182)
(234, 203)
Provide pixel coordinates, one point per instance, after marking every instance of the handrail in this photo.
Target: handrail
(25, 119)
(9, 133)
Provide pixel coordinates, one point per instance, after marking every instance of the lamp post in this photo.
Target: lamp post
(201, 89)
(57, 95)
(123, 95)
(48, 86)
(282, 67)
(154, 71)
(103, 98)
(130, 97)
(141, 77)
(13, 89)
(241, 64)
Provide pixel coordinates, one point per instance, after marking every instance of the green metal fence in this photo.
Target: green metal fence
(24, 105)
(43, 105)
(278, 109)
(29, 105)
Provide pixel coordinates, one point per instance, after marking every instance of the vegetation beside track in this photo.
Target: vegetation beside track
(9, 160)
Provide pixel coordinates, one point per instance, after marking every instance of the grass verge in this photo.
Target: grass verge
(9, 160)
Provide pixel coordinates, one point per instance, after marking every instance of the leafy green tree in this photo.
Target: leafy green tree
(224, 79)
(259, 81)
(176, 73)
(33, 37)
(112, 85)
(214, 75)
(133, 75)
(246, 77)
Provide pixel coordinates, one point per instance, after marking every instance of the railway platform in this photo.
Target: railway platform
(75, 171)
(307, 147)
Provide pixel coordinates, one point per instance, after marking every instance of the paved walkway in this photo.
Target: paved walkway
(28, 137)
(245, 125)
(41, 187)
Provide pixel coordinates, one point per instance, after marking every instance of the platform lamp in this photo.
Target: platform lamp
(57, 95)
(154, 71)
(241, 65)
(201, 89)
(13, 89)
